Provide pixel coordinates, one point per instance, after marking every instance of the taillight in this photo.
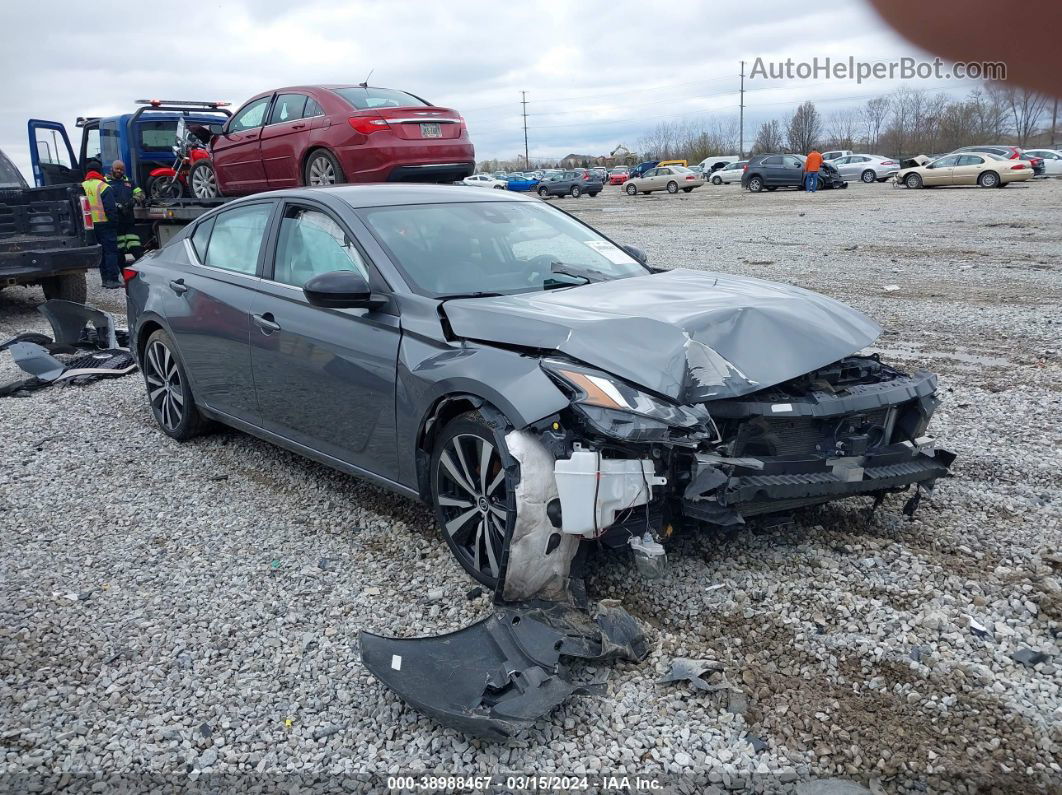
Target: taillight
(745, 167)
(368, 124)
(86, 213)
(129, 274)
(1019, 167)
(888, 162)
(691, 177)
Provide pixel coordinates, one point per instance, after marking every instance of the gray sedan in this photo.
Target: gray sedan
(536, 383)
(868, 168)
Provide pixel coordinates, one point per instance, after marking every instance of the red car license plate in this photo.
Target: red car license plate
(430, 131)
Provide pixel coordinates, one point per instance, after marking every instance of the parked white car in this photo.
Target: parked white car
(729, 173)
(1052, 160)
(833, 154)
(484, 181)
(868, 168)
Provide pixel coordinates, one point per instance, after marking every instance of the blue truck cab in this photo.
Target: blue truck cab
(143, 140)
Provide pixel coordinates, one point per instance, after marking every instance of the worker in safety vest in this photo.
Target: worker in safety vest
(125, 194)
(103, 209)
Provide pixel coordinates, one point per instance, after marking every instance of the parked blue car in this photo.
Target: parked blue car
(522, 182)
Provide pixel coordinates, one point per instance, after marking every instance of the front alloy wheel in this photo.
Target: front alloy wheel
(471, 494)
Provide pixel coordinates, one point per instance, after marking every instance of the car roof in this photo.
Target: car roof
(388, 194)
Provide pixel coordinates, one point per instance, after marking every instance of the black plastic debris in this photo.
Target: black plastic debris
(494, 678)
(1029, 657)
(85, 337)
(684, 669)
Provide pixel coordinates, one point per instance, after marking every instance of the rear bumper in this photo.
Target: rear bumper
(408, 161)
(21, 262)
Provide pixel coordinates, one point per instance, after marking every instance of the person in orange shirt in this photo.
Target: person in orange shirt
(811, 170)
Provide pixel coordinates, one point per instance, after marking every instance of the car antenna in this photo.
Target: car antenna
(365, 83)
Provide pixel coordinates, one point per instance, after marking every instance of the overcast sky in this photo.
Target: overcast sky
(597, 72)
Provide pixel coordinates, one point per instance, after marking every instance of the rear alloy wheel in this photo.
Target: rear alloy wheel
(203, 181)
(913, 181)
(755, 184)
(672, 187)
(168, 390)
(471, 494)
(631, 189)
(543, 193)
(576, 191)
(717, 181)
(868, 176)
(323, 169)
(988, 179)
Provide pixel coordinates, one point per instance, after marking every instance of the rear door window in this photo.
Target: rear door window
(288, 107)
(312, 109)
(772, 161)
(200, 238)
(237, 237)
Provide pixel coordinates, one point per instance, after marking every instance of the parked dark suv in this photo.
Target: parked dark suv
(771, 171)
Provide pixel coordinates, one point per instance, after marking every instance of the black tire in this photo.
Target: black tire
(543, 193)
(632, 190)
(202, 180)
(672, 187)
(988, 179)
(161, 189)
(913, 181)
(755, 183)
(70, 287)
(169, 393)
(473, 506)
(687, 190)
(868, 176)
(322, 169)
(717, 181)
(575, 192)
(592, 195)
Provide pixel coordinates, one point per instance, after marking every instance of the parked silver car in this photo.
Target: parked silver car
(868, 168)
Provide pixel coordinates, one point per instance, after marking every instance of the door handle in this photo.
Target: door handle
(178, 286)
(266, 323)
(297, 126)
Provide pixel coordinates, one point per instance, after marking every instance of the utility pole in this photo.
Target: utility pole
(1054, 121)
(523, 101)
(741, 122)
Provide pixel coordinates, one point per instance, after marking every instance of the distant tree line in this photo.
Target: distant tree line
(904, 122)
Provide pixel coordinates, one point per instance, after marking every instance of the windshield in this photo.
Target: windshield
(494, 247)
(10, 177)
(366, 98)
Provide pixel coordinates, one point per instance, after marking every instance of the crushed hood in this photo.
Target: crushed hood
(690, 335)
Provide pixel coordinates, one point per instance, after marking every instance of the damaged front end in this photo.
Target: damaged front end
(855, 427)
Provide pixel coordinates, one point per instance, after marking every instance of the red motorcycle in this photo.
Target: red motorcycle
(168, 184)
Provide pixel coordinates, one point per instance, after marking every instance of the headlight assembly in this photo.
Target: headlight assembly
(593, 389)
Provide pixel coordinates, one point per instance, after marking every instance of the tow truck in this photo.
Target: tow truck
(144, 140)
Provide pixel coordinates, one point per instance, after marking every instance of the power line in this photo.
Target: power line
(523, 101)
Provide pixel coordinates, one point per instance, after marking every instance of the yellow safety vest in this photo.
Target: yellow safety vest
(94, 189)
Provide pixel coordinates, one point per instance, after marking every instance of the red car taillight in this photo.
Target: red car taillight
(691, 177)
(1019, 167)
(86, 213)
(888, 162)
(368, 124)
(129, 274)
(745, 167)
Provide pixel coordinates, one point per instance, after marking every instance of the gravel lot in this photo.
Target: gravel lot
(192, 609)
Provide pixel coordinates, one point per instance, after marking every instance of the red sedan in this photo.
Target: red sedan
(322, 135)
(618, 176)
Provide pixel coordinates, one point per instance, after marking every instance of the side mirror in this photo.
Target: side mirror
(637, 253)
(341, 290)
